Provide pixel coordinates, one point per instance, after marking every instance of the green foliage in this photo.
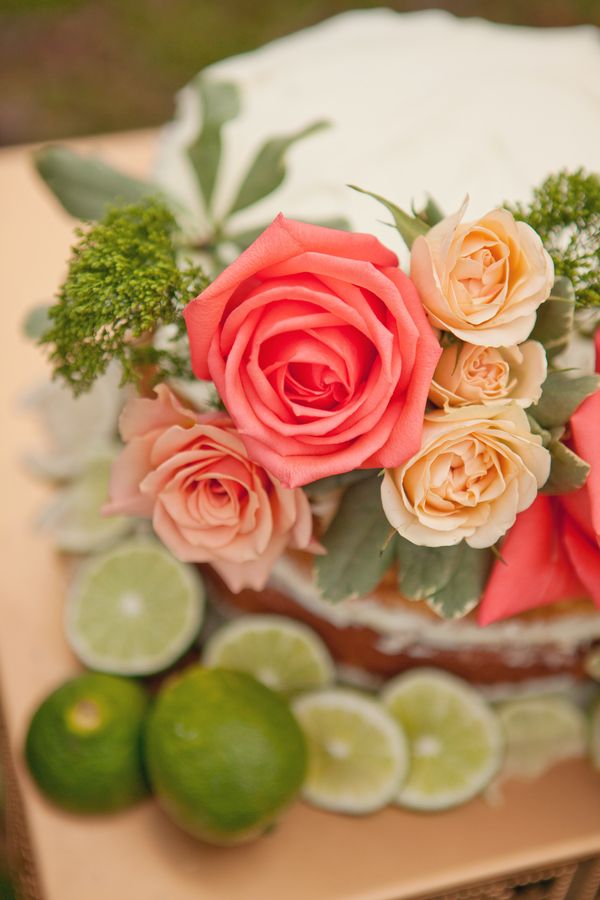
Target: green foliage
(123, 283)
(555, 317)
(562, 393)
(86, 187)
(358, 550)
(450, 579)
(408, 227)
(568, 472)
(565, 212)
(219, 103)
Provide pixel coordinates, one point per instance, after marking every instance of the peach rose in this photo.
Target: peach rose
(477, 468)
(208, 502)
(320, 349)
(482, 280)
(467, 373)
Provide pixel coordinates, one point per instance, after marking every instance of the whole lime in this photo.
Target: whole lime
(83, 746)
(224, 753)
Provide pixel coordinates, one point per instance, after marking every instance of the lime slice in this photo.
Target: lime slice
(134, 610)
(357, 755)
(74, 518)
(283, 654)
(455, 739)
(539, 732)
(594, 735)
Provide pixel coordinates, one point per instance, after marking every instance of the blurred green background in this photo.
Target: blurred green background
(72, 67)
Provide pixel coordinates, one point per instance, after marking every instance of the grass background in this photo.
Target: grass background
(73, 67)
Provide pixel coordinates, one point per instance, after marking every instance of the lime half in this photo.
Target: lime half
(134, 610)
(357, 755)
(74, 517)
(539, 732)
(455, 740)
(283, 654)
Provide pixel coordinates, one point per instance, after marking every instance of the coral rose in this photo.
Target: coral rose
(208, 502)
(477, 468)
(320, 349)
(482, 280)
(467, 373)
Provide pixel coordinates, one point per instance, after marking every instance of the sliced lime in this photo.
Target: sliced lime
(357, 755)
(594, 734)
(134, 610)
(454, 738)
(74, 517)
(285, 655)
(540, 732)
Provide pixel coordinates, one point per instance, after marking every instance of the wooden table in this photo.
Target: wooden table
(139, 855)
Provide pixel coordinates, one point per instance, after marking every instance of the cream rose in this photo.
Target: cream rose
(467, 373)
(478, 467)
(482, 280)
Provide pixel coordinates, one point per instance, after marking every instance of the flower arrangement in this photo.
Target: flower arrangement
(434, 410)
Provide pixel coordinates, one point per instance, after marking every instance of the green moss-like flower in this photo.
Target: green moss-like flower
(565, 212)
(124, 282)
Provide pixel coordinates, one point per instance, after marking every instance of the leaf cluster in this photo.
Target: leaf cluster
(124, 282)
(565, 212)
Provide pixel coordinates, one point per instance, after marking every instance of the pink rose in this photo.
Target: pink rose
(208, 502)
(553, 551)
(320, 349)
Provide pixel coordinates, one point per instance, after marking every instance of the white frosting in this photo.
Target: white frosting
(400, 628)
(418, 102)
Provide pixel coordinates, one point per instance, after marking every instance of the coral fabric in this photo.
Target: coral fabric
(320, 349)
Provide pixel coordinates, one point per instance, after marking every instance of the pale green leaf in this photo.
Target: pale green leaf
(358, 549)
(37, 321)
(568, 472)
(554, 320)
(450, 579)
(86, 186)
(431, 213)
(562, 393)
(267, 170)
(219, 103)
(409, 227)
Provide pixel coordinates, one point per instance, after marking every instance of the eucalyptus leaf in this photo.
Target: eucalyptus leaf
(86, 186)
(409, 227)
(219, 103)
(450, 579)
(267, 170)
(333, 482)
(554, 321)
(562, 393)
(357, 543)
(568, 472)
(37, 321)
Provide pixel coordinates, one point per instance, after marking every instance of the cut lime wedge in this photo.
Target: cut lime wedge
(357, 755)
(134, 610)
(455, 740)
(539, 732)
(285, 655)
(74, 517)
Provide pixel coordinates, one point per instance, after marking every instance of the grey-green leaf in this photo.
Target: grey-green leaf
(568, 472)
(219, 103)
(554, 320)
(333, 482)
(450, 579)
(37, 321)
(358, 549)
(409, 227)
(561, 395)
(267, 170)
(431, 213)
(86, 186)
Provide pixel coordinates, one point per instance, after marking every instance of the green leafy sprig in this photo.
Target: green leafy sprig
(565, 212)
(124, 282)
